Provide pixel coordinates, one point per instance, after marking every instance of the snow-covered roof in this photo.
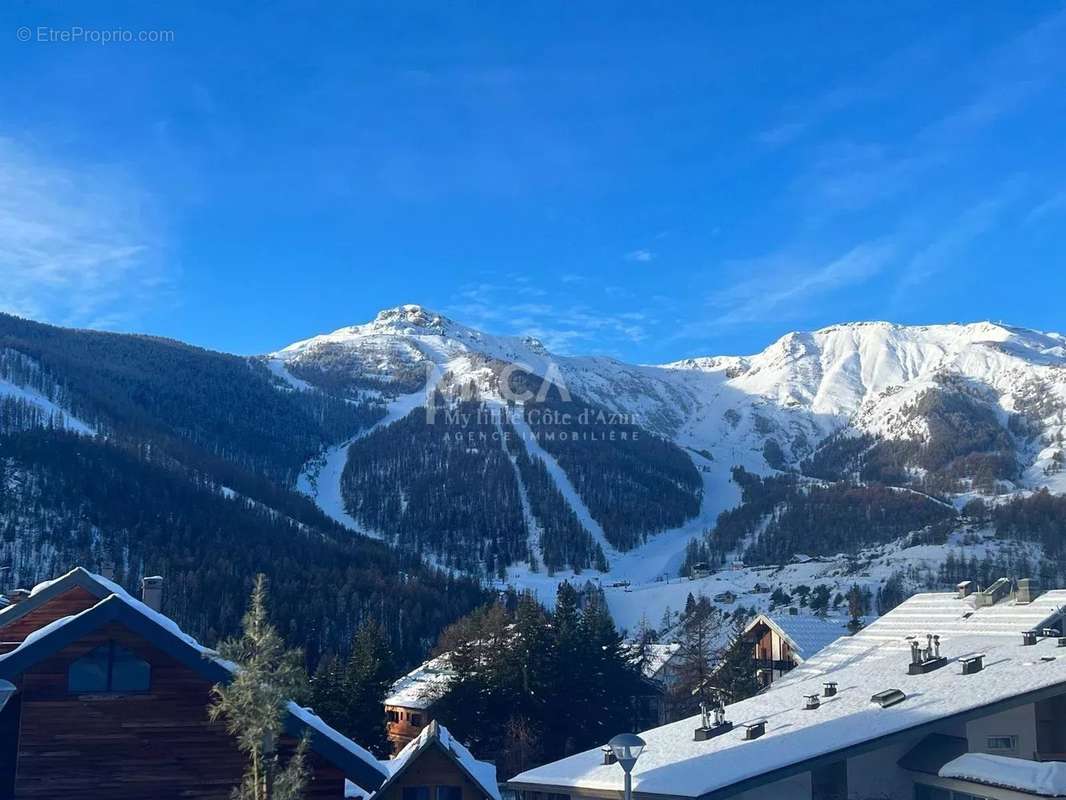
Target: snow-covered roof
(117, 603)
(481, 773)
(423, 686)
(873, 660)
(1047, 778)
(805, 633)
(656, 656)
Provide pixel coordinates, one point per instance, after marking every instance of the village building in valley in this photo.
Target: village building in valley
(950, 696)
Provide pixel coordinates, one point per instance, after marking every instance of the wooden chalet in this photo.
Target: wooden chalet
(434, 766)
(109, 698)
(783, 642)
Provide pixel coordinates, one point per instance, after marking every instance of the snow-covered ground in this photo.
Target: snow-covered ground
(50, 409)
(650, 598)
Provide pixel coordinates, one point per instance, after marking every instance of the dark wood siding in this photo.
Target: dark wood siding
(433, 768)
(73, 601)
(159, 744)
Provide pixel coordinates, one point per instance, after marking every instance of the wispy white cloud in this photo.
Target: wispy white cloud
(77, 246)
(782, 283)
(895, 206)
(564, 328)
(944, 248)
(1055, 204)
(782, 134)
(642, 256)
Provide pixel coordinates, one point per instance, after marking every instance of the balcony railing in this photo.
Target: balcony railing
(774, 664)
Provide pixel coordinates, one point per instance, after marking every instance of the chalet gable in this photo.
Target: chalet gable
(68, 594)
(435, 737)
(118, 608)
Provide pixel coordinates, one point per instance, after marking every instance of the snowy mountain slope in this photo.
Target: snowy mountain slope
(854, 378)
(913, 389)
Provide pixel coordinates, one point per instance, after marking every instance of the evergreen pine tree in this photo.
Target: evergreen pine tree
(367, 680)
(328, 692)
(253, 704)
(736, 675)
(700, 630)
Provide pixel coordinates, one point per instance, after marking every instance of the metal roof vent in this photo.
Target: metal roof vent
(888, 698)
(830, 689)
(712, 721)
(926, 659)
(972, 664)
(1028, 638)
(813, 701)
(753, 730)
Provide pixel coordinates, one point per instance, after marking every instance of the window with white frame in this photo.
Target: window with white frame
(1002, 743)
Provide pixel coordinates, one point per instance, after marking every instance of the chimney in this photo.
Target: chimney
(152, 592)
(1026, 592)
(793, 611)
(107, 569)
(830, 689)
(813, 702)
(608, 755)
(965, 589)
(1028, 638)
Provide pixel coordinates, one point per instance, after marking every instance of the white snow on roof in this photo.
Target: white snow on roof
(423, 686)
(656, 656)
(806, 633)
(1046, 778)
(874, 659)
(117, 592)
(943, 614)
(482, 772)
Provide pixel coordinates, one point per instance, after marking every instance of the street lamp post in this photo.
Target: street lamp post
(627, 748)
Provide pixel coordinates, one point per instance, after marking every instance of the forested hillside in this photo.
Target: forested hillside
(781, 516)
(564, 542)
(201, 407)
(961, 444)
(69, 500)
(445, 488)
(634, 483)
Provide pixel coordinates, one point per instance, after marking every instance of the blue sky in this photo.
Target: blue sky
(612, 178)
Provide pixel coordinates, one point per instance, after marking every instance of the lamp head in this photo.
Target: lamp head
(627, 748)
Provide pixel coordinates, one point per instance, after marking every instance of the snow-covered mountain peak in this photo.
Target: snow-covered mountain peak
(867, 377)
(411, 316)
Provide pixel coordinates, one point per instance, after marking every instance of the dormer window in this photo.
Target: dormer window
(109, 668)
